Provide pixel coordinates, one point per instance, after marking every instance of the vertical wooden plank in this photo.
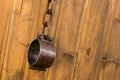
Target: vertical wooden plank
(108, 24)
(30, 74)
(5, 17)
(111, 70)
(20, 31)
(53, 27)
(55, 19)
(112, 4)
(90, 46)
(67, 39)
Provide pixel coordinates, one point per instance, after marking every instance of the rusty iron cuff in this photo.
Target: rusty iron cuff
(41, 54)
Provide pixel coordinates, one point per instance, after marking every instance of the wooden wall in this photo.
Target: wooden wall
(87, 39)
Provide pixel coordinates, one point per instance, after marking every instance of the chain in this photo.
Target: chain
(49, 11)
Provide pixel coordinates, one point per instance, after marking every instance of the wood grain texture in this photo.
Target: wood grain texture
(23, 22)
(111, 70)
(91, 46)
(30, 74)
(5, 18)
(86, 37)
(66, 40)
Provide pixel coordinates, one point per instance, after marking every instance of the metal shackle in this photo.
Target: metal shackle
(41, 54)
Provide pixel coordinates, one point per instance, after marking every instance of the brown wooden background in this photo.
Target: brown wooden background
(87, 39)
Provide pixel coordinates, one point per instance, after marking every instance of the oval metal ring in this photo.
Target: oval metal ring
(41, 54)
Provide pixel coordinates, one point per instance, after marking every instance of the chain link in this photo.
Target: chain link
(49, 11)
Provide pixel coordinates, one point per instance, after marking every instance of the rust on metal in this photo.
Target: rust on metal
(41, 54)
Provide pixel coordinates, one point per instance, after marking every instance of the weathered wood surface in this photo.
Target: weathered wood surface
(86, 35)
